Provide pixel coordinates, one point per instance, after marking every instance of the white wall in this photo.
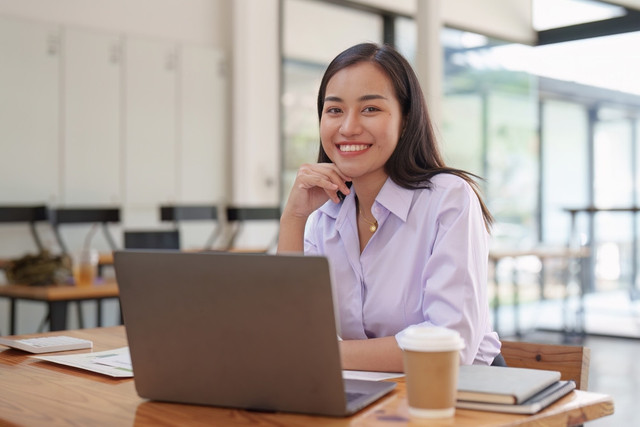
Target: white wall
(193, 24)
(193, 21)
(256, 103)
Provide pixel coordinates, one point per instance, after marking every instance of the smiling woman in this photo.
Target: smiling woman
(405, 235)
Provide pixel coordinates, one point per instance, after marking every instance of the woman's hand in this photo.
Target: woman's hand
(314, 185)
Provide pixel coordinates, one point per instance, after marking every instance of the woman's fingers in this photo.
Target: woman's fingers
(325, 175)
(314, 185)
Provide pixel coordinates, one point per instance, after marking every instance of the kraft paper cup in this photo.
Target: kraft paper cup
(431, 365)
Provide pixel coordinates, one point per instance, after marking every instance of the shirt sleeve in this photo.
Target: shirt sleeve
(454, 278)
(310, 237)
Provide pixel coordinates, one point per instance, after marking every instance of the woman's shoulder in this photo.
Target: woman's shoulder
(448, 183)
(448, 179)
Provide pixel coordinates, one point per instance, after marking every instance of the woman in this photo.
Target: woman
(406, 236)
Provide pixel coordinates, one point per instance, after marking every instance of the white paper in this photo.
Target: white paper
(370, 375)
(119, 359)
(115, 363)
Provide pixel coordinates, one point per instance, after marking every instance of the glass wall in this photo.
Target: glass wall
(613, 188)
(565, 168)
(306, 54)
(489, 128)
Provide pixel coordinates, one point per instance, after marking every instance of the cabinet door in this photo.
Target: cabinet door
(150, 130)
(29, 120)
(91, 109)
(203, 121)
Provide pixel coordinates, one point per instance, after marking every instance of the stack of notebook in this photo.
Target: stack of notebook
(516, 390)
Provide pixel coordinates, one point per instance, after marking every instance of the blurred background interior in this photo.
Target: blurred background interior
(137, 104)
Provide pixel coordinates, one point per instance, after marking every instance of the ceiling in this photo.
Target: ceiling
(634, 4)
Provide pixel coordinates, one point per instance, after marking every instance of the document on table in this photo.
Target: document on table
(115, 363)
(370, 375)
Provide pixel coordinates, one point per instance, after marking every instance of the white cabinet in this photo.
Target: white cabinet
(202, 122)
(92, 117)
(150, 108)
(97, 118)
(175, 127)
(29, 111)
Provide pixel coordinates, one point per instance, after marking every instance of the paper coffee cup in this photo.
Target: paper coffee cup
(431, 365)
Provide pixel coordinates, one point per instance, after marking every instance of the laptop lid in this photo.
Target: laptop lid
(249, 331)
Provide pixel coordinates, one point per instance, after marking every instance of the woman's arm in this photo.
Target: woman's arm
(455, 286)
(375, 354)
(291, 234)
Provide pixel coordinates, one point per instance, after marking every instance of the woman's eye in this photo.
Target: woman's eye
(333, 110)
(371, 109)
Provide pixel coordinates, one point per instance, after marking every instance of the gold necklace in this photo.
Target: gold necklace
(373, 226)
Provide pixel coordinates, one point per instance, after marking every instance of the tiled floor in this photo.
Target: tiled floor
(615, 371)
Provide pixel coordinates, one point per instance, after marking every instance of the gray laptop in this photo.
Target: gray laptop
(246, 331)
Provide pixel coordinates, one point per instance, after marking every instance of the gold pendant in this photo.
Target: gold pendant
(373, 228)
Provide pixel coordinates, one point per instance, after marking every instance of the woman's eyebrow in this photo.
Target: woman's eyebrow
(333, 99)
(371, 97)
(362, 98)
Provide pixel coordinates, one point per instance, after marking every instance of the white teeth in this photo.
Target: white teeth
(354, 147)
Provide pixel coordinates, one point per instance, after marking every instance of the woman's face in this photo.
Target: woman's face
(361, 120)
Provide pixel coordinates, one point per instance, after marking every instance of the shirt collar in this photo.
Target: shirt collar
(395, 199)
(392, 197)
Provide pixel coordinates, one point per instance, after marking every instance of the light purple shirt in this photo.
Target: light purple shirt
(426, 264)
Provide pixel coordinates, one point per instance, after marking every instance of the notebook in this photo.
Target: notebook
(534, 404)
(250, 331)
(506, 385)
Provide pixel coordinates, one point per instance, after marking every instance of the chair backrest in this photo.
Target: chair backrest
(188, 212)
(237, 216)
(252, 213)
(25, 214)
(84, 215)
(152, 239)
(571, 361)
(178, 213)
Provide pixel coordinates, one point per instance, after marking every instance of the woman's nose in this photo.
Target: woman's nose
(350, 125)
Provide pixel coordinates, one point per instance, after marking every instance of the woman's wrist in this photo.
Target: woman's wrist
(291, 237)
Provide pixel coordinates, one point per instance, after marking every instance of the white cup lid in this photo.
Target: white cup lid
(429, 338)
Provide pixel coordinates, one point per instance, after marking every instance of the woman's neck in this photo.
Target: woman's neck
(367, 190)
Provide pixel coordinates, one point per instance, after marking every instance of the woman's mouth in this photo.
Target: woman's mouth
(349, 148)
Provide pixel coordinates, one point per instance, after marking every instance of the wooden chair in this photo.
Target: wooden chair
(571, 361)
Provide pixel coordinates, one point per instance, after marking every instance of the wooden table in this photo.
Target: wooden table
(35, 392)
(57, 297)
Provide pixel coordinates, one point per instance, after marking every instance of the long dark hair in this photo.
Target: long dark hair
(416, 158)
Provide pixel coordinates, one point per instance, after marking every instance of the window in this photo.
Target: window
(306, 55)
